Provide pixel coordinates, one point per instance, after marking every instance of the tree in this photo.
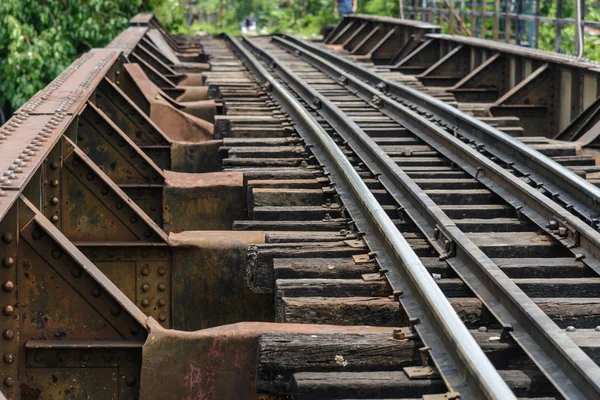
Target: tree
(40, 38)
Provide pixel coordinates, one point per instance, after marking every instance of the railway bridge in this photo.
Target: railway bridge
(393, 213)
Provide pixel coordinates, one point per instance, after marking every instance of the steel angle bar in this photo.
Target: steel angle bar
(572, 372)
(462, 363)
(574, 190)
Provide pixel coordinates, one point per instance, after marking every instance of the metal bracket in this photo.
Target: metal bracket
(421, 372)
(444, 241)
(564, 232)
(446, 396)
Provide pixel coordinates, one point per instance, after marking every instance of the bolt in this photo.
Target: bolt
(562, 231)
(553, 225)
(54, 165)
(7, 237)
(8, 334)
(76, 272)
(85, 357)
(56, 254)
(8, 286)
(399, 334)
(54, 183)
(8, 381)
(162, 318)
(54, 219)
(8, 262)
(8, 310)
(570, 329)
(54, 201)
(162, 287)
(597, 328)
(115, 311)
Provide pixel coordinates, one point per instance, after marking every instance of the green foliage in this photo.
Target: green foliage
(40, 38)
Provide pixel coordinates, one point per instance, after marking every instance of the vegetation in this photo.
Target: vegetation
(40, 38)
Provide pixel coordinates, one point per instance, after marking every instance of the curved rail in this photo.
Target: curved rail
(573, 373)
(574, 190)
(406, 271)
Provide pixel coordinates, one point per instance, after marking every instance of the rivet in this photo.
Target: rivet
(119, 205)
(8, 286)
(144, 254)
(162, 287)
(9, 358)
(8, 334)
(36, 234)
(75, 162)
(84, 357)
(7, 237)
(54, 183)
(56, 253)
(162, 318)
(8, 381)
(104, 190)
(162, 271)
(39, 356)
(130, 382)
(54, 219)
(162, 302)
(8, 310)
(115, 311)
(96, 291)
(54, 201)
(571, 329)
(145, 271)
(76, 272)
(8, 262)
(135, 330)
(133, 219)
(145, 287)
(90, 176)
(145, 302)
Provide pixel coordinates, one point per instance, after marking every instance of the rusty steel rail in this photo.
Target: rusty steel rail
(566, 365)
(405, 271)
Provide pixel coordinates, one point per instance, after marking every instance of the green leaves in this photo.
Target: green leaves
(40, 38)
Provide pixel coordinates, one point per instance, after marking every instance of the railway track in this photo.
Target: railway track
(219, 217)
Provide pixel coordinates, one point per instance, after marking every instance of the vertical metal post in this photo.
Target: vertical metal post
(483, 18)
(474, 18)
(462, 16)
(518, 29)
(579, 18)
(401, 8)
(451, 19)
(558, 33)
(537, 24)
(496, 19)
(507, 21)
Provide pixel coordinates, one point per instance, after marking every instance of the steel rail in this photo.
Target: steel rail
(546, 212)
(569, 189)
(461, 361)
(572, 372)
